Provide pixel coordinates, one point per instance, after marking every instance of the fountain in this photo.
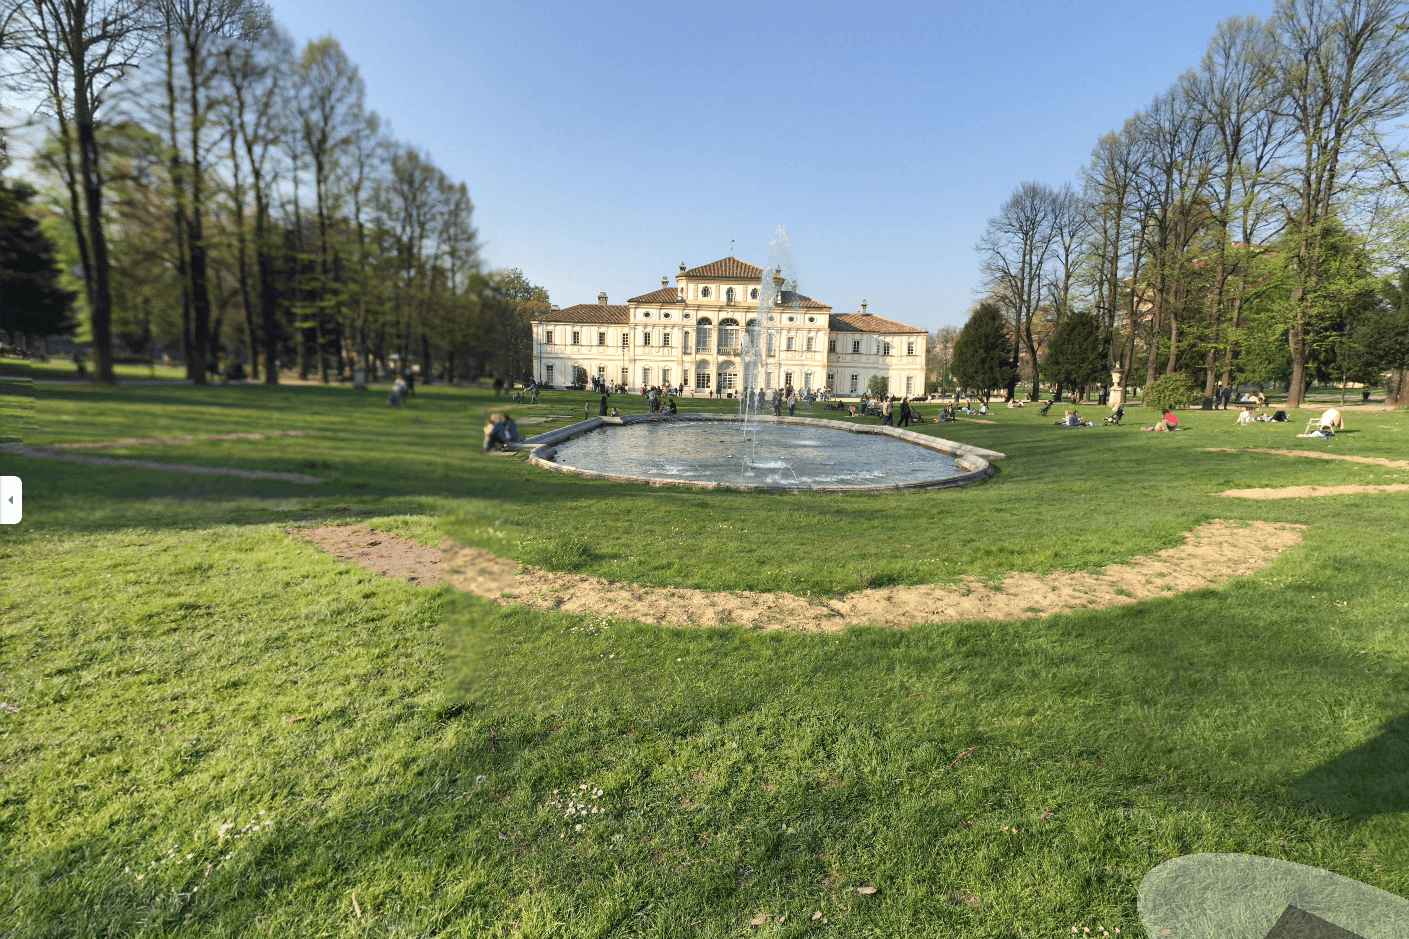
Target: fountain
(753, 449)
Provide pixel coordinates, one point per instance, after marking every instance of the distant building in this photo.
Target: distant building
(690, 336)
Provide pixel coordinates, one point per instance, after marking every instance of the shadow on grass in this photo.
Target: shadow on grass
(1370, 780)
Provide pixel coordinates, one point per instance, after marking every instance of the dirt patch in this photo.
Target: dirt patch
(46, 453)
(1310, 492)
(1312, 454)
(169, 441)
(388, 555)
(1212, 553)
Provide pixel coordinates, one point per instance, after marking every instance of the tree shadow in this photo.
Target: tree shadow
(1370, 780)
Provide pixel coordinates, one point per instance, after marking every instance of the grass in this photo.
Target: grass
(179, 664)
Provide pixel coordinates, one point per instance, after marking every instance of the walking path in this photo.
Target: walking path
(1315, 455)
(1212, 554)
(168, 441)
(45, 453)
(1310, 492)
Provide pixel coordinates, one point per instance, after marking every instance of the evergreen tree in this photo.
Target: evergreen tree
(31, 301)
(983, 352)
(1076, 356)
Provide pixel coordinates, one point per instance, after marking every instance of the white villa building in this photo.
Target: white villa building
(690, 335)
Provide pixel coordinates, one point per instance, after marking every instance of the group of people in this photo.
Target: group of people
(1252, 415)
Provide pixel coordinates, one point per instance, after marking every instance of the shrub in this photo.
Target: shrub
(1171, 391)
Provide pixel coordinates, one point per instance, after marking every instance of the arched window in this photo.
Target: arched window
(753, 294)
(704, 292)
(729, 295)
(728, 335)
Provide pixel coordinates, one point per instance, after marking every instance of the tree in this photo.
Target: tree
(80, 48)
(1387, 334)
(983, 357)
(1076, 354)
(1339, 71)
(1015, 250)
(879, 386)
(32, 303)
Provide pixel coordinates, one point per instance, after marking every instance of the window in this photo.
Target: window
(855, 345)
(787, 379)
(625, 340)
(646, 315)
(770, 343)
(646, 377)
(790, 343)
(549, 373)
(810, 341)
(548, 336)
(909, 385)
(701, 338)
(807, 380)
(602, 372)
(576, 337)
(701, 381)
(579, 375)
(602, 337)
(910, 348)
(665, 314)
(685, 336)
(854, 379)
(727, 380)
(665, 338)
(767, 379)
(704, 292)
(729, 295)
(831, 345)
(753, 294)
(645, 337)
(831, 379)
(885, 348)
(665, 377)
(625, 375)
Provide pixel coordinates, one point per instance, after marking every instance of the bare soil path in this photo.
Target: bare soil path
(1211, 554)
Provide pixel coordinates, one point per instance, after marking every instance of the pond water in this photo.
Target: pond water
(779, 455)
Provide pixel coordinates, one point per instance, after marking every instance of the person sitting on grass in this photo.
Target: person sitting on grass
(1245, 416)
(1279, 418)
(673, 408)
(1162, 426)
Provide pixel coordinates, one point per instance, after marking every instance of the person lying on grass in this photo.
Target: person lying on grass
(1168, 423)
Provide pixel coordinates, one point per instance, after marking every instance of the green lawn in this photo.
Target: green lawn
(179, 664)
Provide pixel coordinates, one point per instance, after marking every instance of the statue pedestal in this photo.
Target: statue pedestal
(359, 379)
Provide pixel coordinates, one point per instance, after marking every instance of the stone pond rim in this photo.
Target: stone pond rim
(973, 461)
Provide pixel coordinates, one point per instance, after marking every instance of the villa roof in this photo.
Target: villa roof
(726, 269)
(593, 313)
(807, 303)
(868, 323)
(663, 295)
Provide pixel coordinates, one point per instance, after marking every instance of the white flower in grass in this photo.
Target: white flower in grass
(577, 827)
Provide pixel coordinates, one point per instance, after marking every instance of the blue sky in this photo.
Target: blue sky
(603, 144)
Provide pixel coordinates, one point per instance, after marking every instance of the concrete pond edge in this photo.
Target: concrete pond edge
(975, 461)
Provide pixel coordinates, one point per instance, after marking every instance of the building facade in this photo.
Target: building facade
(691, 336)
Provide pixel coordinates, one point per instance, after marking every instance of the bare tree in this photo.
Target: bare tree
(77, 49)
(1016, 249)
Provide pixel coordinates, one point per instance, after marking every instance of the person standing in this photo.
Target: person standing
(410, 382)
(905, 412)
(602, 408)
(887, 414)
(792, 405)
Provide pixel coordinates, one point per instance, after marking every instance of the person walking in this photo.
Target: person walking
(905, 412)
(602, 408)
(792, 405)
(533, 392)
(887, 414)
(410, 382)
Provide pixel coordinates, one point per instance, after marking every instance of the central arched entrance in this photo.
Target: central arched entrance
(727, 379)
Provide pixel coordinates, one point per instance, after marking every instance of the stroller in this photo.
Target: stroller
(1115, 419)
(1047, 407)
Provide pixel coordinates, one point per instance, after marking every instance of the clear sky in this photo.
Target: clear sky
(603, 144)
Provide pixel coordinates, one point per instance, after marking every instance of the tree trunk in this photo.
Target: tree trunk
(90, 168)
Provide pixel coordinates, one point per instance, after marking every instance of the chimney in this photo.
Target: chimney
(602, 299)
(553, 307)
(665, 281)
(682, 267)
(863, 309)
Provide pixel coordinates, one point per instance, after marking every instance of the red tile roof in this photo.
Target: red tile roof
(586, 313)
(727, 269)
(807, 303)
(663, 295)
(869, 323)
